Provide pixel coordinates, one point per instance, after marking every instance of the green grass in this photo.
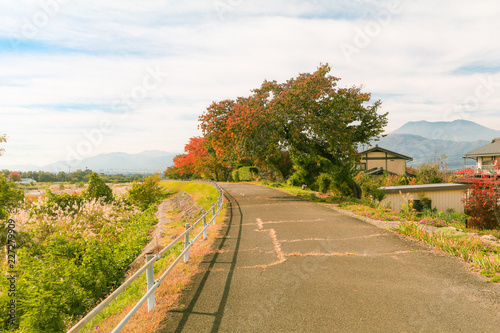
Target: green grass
(203, 193)
(483, 257)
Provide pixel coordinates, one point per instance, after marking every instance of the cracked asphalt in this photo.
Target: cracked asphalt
(286, 265)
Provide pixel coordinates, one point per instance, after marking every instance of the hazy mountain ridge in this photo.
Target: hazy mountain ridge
(424, 150)
(149, 161)
(457, 130)
(427, 142)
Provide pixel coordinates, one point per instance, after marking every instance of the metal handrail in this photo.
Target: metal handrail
(148, 268)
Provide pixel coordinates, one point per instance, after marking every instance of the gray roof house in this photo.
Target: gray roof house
(486, 156)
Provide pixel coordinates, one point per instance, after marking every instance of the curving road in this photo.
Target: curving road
(286, 265)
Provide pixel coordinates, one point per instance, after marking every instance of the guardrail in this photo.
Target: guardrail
(153, 284)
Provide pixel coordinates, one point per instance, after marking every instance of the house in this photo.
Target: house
(439, 196)
(376, 160)
(27, 181)
(486, 157)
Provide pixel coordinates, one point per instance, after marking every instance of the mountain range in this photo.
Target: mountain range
(149, 161)
(427, 142)
(424, 141)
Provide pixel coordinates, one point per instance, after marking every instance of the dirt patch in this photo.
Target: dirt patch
(186, 204)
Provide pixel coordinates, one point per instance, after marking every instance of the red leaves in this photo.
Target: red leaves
(482, 204)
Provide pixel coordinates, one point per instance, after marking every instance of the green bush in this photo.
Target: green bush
(98, 189)
(324, 182)
(10, 197)
(148, 193)
(236, 175)
(68, 202)
(245, 174)
(248, 173)
(65, 270)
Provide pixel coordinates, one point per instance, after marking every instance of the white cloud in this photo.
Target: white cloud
(71, 72)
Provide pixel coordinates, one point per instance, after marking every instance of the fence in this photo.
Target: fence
(152, 284)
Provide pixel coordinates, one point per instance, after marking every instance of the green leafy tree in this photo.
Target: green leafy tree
(98, 189)
(10, 197)
(147, 193)
(308, 114)
(307, 169)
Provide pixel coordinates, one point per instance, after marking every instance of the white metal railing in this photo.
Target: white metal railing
(153, 284)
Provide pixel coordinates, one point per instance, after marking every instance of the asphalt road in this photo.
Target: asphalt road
(286, 265)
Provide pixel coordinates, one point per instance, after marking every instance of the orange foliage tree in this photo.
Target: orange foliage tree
(308, 114)
(196, 162)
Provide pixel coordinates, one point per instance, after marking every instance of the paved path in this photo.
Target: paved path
(286, 265)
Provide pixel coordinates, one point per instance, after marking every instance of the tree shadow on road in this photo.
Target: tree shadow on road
(171, 325)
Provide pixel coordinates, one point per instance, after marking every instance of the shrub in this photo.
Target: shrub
(245, 174)
(10, 197)
(236, 175)
(72, 261)
(324, 182)
(98, 189)
(482, 205)
(65, 201)
(148, 193)
(430, 174)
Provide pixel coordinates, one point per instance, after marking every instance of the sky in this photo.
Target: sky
(80, 78)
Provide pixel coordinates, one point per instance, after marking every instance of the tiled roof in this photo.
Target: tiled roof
(380, 149)
(491, 149)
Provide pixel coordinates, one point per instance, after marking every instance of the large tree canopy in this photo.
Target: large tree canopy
(308, 114)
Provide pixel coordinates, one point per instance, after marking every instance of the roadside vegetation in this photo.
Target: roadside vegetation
(72, 249)
(169, 291)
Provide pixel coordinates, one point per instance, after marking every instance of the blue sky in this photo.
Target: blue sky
(79, 78)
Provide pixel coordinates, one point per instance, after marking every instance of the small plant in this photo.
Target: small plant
(407, 208)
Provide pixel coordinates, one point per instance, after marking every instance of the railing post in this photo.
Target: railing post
(150, 280)
(213, 212)
(204, 224)
(186, 243)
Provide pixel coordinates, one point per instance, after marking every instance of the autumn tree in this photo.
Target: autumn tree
(307, 115)
(15, 176)
(198, 161)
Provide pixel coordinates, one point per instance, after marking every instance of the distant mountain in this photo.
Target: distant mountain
(424, 150)
(457, 130)
(149, 161)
